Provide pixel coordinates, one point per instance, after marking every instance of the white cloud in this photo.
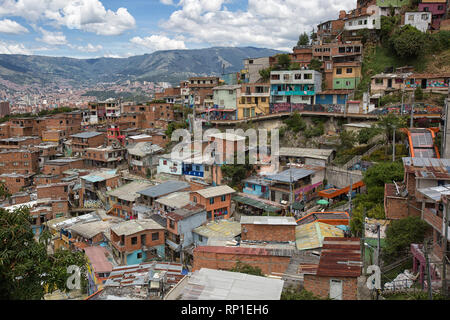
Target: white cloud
(158, 42)
(266, 23)
(167, 2)
(13, 48)
(88, 48)
(11, 27)
(86, 15)
(53, 38)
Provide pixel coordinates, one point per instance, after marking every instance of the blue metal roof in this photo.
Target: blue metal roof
(164, 188)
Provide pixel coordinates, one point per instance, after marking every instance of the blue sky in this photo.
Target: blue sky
(113, 28)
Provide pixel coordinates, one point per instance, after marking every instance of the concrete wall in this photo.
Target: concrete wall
(341, 177)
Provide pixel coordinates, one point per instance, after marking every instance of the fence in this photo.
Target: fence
(287, 107)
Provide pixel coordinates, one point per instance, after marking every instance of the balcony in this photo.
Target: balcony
(292, 93)
(257, 193)
(433, 219)
(193, 173)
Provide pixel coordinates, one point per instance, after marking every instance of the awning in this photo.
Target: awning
(173, 245)
(256, 204)
(333, 193)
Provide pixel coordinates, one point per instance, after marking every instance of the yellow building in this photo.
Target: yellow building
(254, 100)
(346, 75)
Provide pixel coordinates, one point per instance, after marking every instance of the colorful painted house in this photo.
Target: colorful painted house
(99, 267)
(136, 241)
(216, 201)
(437, 9)
(346, 75)
(295, 86)
(257, 186)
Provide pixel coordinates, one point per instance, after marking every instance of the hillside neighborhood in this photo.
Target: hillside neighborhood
(347, 196)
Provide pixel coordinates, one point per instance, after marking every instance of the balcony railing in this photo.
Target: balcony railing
(293, 93)
(433, 219)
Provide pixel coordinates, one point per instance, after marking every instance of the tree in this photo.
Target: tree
(4, 192)
(283, 61)
(418, 94)
(303, 40)
(235, 173)
(382, 173)
(315, 64)
(347, 139)
(400, 234)
(248, 269)
(365, 134)
(407, 42)
(26, 269)
(387, 124)
(265, 74)
(295, 123)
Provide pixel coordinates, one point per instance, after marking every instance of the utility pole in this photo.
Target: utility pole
(393, 146)
(290, 185)
(378, 250)
(430, 294)
(363, 238)
(444, 259)
(412, 111)
(350, 195)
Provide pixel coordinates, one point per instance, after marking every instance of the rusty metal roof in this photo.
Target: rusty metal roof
(340, 257)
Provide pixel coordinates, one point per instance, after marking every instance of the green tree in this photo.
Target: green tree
(347, 139)
(235, 173)
(384, 172)
(400, 234)
(303, 40)
(283, 61)
(248, 269)
(26, 269)
(418, 94)
(387, 123)
(315, 64)
(295, 123)
(365, 134)
(4, 192)
(407, 42)
(265, 74)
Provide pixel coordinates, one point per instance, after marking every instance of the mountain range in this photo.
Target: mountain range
(169, 66)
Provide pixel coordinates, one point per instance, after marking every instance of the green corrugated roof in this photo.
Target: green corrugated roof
(255, 203)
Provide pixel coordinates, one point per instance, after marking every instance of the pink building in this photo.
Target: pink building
(437, 9)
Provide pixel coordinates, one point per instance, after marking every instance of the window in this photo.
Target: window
(134, 240)
(211, 200)
(139, 255)
(165, 162)
(195, 199)
(411, 17)
(286, 77)
(424, 17)
(440, 7)
(200, 238)
(349, 70)
(307, 76)
(155, 236)
(171, 224)
(378, 81)
(25, 155)
(223, 198)
(230, 91)
(298, 76)
(339, 71)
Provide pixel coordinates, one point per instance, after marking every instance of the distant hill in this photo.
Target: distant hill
(170, 66)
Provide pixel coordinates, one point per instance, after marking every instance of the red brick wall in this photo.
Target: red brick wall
(268, 232)
(53, 135)
(226, 261)
(320, 286)
(14, 184)
(218, 203)
(19, 162)
(52, 191)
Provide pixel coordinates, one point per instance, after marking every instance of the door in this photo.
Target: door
(335, 289)
(389, 83)
(424, 83)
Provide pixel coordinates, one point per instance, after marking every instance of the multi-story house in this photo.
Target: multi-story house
(437, 8)
(419, 20)
(346, 75)
(254, 100)
(19, 161)
(143, 157)
(252, 66)
(180, 224)
(137, 241)
(82, 141)
(122, 199)
(200, 91)
(104, 157)
(295, 86)
(215, 200)
(149, 195)
(15, 182)
(19, 142)
(302, 55)
(225, 103)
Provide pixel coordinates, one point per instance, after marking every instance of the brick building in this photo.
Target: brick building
(215, 200)
(104, 157)
(270, 261)
(15, 182)
(339, 268)
(4, 130)
(82, 141)
(122, 199)
(57, 191)
(265, 228)
(419, 173)
(19, 161)
(58, 166)
(136, 241)
(19, 142)
(200, 91)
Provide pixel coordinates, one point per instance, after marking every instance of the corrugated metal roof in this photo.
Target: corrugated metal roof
(215, 191)
(311, 235)
(175, 200)
(296, 174)
(219, 229)
(209, 284)
(98, 259)
(340, 257)
(86, 135)
(435, 193)
(164, 188)
(134, 226)
(128, 192)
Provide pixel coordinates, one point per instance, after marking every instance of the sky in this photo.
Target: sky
(112, 28)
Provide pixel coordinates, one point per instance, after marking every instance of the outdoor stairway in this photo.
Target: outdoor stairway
(291, 276)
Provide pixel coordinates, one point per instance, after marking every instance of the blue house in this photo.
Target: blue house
(257, 186)
(332, 97)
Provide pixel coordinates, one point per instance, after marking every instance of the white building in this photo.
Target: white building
(420, 20)
(370, 20)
